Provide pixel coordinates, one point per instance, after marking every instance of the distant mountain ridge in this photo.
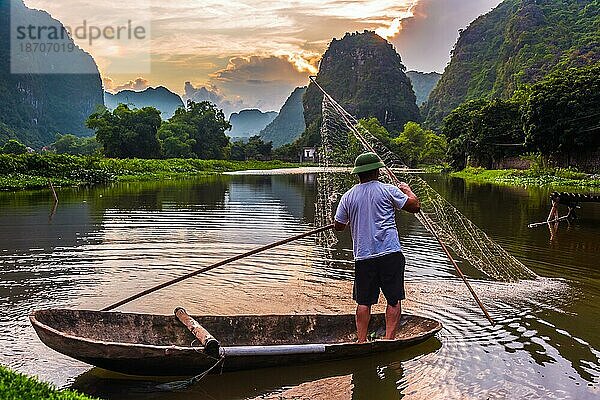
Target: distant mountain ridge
(423, 83)
(160, 98)
(518, 42)
(35, 107)
(289, 124)
(250, 122)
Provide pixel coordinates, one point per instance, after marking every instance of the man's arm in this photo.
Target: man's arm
(338, 226)
(412, 205)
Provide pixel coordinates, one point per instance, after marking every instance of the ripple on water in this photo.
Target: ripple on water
(531, 353)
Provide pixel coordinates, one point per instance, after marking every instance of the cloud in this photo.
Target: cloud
(428, 36)
(212, 94)
(260, 82)
(137, 85)
(396, 25)
(253, 53)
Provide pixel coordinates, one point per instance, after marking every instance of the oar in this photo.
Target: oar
(219, 264)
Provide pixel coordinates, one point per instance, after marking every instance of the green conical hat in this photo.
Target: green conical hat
(367, 162)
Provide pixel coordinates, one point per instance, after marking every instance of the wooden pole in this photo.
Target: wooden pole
(458, 271)
(53, 191)
(219, 264)
(210, 344)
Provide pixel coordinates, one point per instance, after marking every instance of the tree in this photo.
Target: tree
(254, 149)
(175, 140)
(483, 131)
(127, 133)
(14, 147)
(71, 144)
(416, 145)
(562, 112)
(257, 149)
(207, 126)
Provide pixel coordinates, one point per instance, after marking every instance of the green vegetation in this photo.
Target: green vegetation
(289, 123)
(254, 149)
(482, 132)
(15, 386)
(417, 146)
(127, 133)
(13, 146)
(37, 106)
(556, 178)
(519, 42)
(364, 73)
(414, 145)
(561, 113)
(71, 144)
(31, 171)
(557, 116)
(197, 131)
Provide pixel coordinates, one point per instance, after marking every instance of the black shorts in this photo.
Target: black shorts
(385, 273)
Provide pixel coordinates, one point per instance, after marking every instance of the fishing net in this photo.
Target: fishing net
(344, 138)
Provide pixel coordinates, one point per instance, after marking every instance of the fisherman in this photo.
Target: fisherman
(369, 207)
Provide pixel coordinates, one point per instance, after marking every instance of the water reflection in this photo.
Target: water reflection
(105, 243)
(369, 377)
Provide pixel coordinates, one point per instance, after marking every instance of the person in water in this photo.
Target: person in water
(369, 208)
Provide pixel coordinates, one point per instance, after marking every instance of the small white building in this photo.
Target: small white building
(309, 154)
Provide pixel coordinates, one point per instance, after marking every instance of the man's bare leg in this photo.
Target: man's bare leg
(363, 315)
(392, 317)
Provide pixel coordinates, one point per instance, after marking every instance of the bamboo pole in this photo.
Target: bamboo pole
(218, 264)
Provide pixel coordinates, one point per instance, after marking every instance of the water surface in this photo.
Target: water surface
(104, 243)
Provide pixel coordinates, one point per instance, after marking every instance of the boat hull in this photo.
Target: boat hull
(151, 345)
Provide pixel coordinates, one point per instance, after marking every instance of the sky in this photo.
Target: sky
(252, 54)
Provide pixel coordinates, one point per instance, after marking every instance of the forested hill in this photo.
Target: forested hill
(160, 98)
(289, 124)
(520, 41)
(35, 107)
(423, 83)
(363, 72)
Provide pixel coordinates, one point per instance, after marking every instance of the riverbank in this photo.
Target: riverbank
(559, 178)
(14, 386)
(32, 171)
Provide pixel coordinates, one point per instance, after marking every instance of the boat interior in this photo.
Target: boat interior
(247, 330)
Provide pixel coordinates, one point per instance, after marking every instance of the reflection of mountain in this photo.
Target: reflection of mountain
(25, 220)
(35, 107)
(160, 98)
(295, 193)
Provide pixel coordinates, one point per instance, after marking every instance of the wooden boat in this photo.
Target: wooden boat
(144, 344)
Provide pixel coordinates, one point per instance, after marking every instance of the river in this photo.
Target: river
(103, 243)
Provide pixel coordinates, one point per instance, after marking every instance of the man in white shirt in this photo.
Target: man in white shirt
(369, 209)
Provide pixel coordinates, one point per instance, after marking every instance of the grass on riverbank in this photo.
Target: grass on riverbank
(559, 177)
(32, 171)
(15, 386)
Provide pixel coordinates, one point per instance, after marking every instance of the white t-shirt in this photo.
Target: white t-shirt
(369, 208)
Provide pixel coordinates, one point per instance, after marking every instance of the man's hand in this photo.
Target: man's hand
(412, 205)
